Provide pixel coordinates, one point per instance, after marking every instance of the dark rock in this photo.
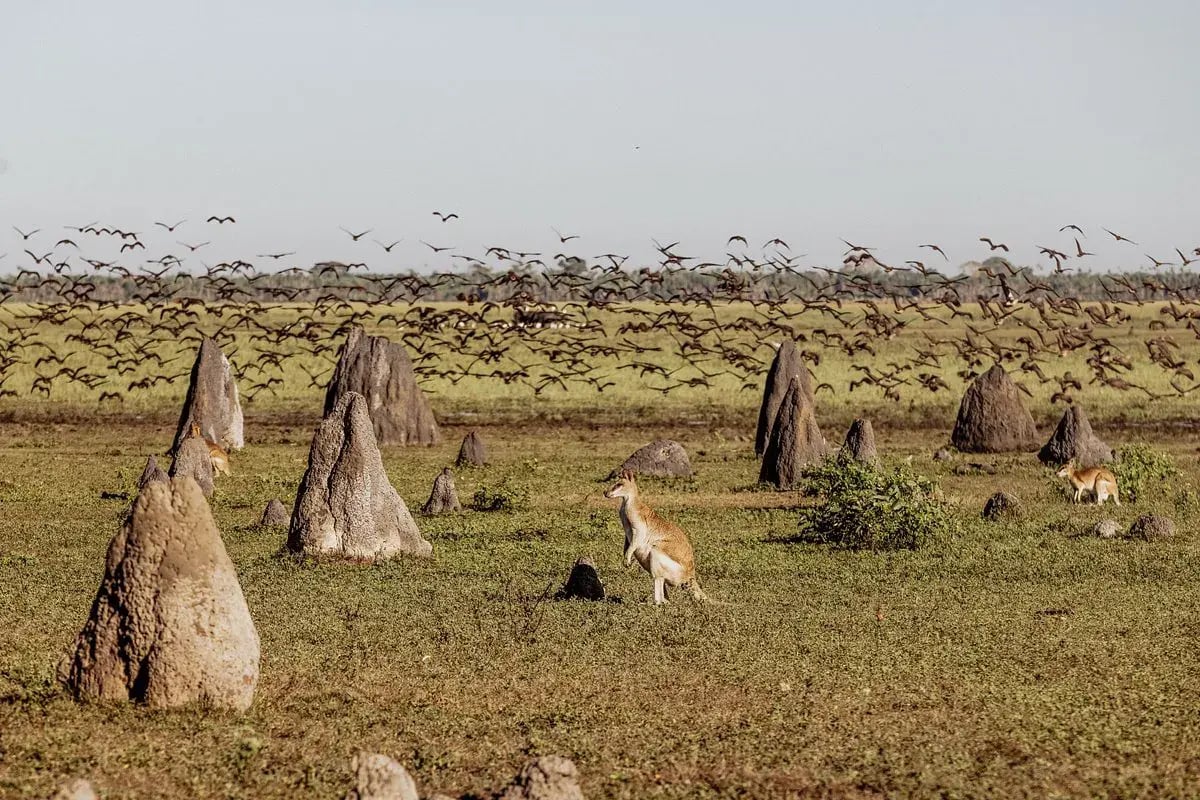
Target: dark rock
(1073, 440)
(1152, 527)
(992, 418)
(381, 371)
(662, 458)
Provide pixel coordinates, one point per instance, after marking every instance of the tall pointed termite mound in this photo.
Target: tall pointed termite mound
(381, 371)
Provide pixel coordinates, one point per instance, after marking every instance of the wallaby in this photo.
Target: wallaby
(216, 453)
(1094, 479)
(661, 547)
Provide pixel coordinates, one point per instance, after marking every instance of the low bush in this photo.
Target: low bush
(504, 496)
(1141, 470)
(861, 507)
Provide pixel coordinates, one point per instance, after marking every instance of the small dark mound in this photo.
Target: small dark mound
(1073, 439)
(992, 418)
(472, 452)
(583, 582)
(1151, 527)
(659, 459)
(275, 515)
(152, 473)
(974, 468)
(1001, 506)
(860, 443)
(444, 496)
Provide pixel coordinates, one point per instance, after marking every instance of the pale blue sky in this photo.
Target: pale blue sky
(887, 123)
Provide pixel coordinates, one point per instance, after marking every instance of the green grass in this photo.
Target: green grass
(928, 673)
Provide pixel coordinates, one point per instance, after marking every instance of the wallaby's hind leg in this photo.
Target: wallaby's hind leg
(660, 591)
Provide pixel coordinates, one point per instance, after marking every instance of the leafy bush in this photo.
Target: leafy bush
(861, 507)
(505, 496)
(1140, 470)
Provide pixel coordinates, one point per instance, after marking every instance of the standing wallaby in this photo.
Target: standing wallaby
(216, 453)
(1094, 479)
(662, 548)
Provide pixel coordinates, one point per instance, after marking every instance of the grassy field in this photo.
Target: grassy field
(934, 673)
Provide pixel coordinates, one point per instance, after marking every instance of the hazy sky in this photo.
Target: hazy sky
(887, 123)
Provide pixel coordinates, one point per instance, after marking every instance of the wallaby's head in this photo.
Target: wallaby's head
(194, 431)
(625, 487)
(1066, 470)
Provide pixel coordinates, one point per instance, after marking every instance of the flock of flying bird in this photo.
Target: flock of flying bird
(111, 326)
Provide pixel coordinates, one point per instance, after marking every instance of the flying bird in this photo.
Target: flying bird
(936, 248)
(563, 239)
(434, 248)
(220, 220)
(25, 236)
(1118, 236)
(993, 245)
(170, 228)
(193, 247)
(387, 248)
(1075, 228)
(445, 217)
(356, 236)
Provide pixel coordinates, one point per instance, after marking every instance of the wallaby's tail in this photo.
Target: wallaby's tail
(699, 595)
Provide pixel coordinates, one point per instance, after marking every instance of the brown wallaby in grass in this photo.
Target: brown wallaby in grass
(216, 453)
(661, 547)
(1094, 479)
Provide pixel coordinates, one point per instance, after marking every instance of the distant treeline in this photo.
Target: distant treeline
(575, 280)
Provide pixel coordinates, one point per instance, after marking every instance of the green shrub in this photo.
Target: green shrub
(861, 507)
(504, 496)
(1140, 470)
